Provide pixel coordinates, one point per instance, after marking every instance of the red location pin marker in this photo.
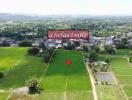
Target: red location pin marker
(68, 61)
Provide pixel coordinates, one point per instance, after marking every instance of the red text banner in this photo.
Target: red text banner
(68, 34)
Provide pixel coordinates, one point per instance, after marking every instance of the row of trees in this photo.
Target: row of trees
(93, 51)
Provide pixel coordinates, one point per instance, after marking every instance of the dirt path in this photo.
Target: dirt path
(92, 82)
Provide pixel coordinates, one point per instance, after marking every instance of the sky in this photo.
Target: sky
(64, 7)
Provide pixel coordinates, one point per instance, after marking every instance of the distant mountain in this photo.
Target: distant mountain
(15, 17)
(25, 17)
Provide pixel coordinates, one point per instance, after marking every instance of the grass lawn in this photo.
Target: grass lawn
(27, 67)
(61, 76)
(3, 95)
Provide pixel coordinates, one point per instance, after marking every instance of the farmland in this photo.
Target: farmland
(59, 79)
(71, 78)
(22, 65)
(122, 69)
(59, 72)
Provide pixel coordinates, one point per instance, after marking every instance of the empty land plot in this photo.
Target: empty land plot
(61, 76)
(106, 76)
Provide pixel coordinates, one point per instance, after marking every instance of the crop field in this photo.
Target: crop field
(68, 78)
(10, 56)
(59, 79)
(123, 72)
(3, 95)
(19, 67)
(61, 76)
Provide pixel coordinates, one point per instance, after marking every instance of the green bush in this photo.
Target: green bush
(25, 43)
(92, 56)
(110, 49)
(4, 44)
(1, 75)
(34, 85)
(130, 59)
(107, 60)
(33, 51)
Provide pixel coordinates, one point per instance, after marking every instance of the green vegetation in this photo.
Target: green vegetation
(34, 85)
(105, 92)
(59, 76)
(123, 72)
(3, 95)
(9, 56)
(109, 92)
(25, 43)
(74, 75)
(110, 49)
(48, 95)
(79, 95)
(121, 68)
(21, 67)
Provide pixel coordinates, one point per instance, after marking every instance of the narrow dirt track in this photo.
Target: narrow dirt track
(92, 82)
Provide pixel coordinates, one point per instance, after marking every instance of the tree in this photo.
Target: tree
(130, 59)
(5, 44)
(124, 40)
(85, 48)
(47, 55)
(92, 56)
(107, 60)
(46, 58)
(120, 45)
(70, 46)
(97, 49)
(77, 43)
(109, 49)
(33, 51)
(34, 85)
(1, 75)
(130, 56)
(25, 43)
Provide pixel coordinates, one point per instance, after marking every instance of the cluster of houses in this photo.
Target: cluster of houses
(59, 43)
(10, 41)
(93, 40)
